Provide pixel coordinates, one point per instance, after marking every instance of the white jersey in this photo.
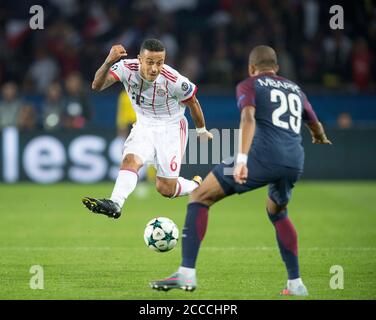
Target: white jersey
(158, 102)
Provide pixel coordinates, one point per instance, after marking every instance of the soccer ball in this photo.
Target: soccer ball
(161, 234)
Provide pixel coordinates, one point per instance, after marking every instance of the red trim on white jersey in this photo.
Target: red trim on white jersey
(129, 85)
(114, 75)
(178, 185)
(169, 75)
(168, 108)
(183, 134)
(133, 66)
(138, 98)
(193, 94)
(152, 103)
(132, 69)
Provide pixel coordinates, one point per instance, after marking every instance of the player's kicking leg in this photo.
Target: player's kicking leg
(288, 246)
(177, 187)
(125, 184)
(193, 233)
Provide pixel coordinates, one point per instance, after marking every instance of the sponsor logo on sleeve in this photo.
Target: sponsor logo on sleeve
(184, 86)
(189, 90)
(114, 67)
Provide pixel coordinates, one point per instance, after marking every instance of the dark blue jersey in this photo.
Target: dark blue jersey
(281, 107)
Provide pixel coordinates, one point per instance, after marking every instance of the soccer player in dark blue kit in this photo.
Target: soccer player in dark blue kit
(270, 153)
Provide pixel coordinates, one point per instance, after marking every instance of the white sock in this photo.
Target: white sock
(188, 272)
(294, 283)
(125, 184)
(184, 187)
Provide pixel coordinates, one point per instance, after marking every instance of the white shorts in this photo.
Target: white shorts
(163, 146)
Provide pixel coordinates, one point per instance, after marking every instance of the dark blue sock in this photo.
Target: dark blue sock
(194, 231)
(287, 241)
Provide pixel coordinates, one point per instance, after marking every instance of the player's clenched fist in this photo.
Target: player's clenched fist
(117, 52)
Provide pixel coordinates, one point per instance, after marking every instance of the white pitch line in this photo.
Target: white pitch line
(54, 248)
(20, 248)
(300, 248)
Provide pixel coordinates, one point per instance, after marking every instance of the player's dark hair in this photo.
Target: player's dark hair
(152, 45)
(263, 57)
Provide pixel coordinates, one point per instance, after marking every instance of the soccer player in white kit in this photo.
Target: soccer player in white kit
(159, 95)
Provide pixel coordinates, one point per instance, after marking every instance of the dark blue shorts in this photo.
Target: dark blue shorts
(280, 179)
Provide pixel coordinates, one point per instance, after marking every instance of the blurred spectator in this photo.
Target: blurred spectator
(220, 68)
(67, 7)
(63, 43)
(10, 105)
(170, 6)
(27, 119)
(309, 64)
(43, 70)
(286, 63)
(79, 34)
(361, 65)
(97, 22)
(77, 107)
(190, 66)
(337, 49)
(240, 25)
(53, 108)
(344, 121)
(190, 62)
(311, 19)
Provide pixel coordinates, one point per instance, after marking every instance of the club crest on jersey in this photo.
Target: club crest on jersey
(114, 67)
(184, 86)
(161, 92)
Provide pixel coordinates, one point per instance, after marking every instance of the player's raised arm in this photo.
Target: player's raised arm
(314, 125)
(198, 117)
(103, 79)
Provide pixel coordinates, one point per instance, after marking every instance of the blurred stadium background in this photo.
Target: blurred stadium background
(53, 128)
(45, 75)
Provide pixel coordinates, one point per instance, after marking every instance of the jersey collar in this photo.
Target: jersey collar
(147, 81)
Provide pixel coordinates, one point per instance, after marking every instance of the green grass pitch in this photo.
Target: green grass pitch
(87, 256)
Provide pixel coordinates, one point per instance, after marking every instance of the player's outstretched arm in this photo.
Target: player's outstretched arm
(247, 132)
(198, 117)
(318, 133)
(103, 79)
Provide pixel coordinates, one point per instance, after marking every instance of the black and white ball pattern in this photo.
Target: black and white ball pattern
(161, 234)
